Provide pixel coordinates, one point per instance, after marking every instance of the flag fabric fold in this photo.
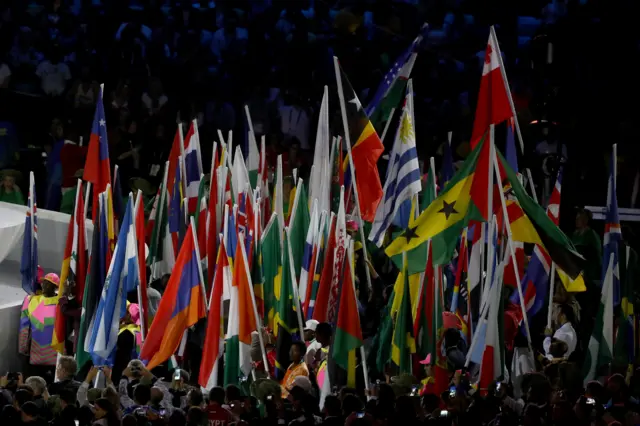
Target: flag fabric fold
(29, 259)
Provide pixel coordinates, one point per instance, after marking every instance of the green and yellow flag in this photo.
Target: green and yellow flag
(403, 343)
(448, 214)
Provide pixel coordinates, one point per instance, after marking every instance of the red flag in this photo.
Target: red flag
(97, 169)
(142, 265)
(493, 102)
(322, 299)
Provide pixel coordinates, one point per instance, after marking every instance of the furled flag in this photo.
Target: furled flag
(29, 259)
(96, 275)
(201, 223)
(242, 321)
(278, 196)
(253, 159)
(214, 338)
(122, 277)
(175, 154)
(286, 322)
(182, 306)
(317, 264)
(493, 102)
(600, 350)
(403, 177)
(162, 256)
(392, 86)
(366, 148)
(118, 200)
(318, 181)
(176, 215)
(153, 216)
(192, 166)
(492, 356)
(97, 169)
(403, 342)
(325, 286)
(338, 261)
(510, 152)
(348, 335)
(143, 300)
(74, 267)
(306, 271)
(298, 225)
(214, 214)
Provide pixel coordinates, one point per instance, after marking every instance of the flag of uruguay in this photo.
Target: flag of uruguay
(403, 178)
(122, 278)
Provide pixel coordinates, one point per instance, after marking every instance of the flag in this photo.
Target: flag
(272, 268)
(424, 327)
(338, 261)
(96, 275)
(118, 200)
(29, 259)
(111, 224)
(286, 322)
(447, 170)
(317, 265)
(365, 151)
(492, 356)
(176, 215)
(162, 256)
(493, 101)
(348, 335)
(213, 221)
(253, 160)
(536, 280)
(177, 147)
(192, 166)
(625, 347)
(122, 278)
(153, 216)
(403, 177)
(321, 304)
(74, 267)
(201, 224)
(97, 169)
(306, 269)
(299, 225)
(612, 231)
(392, 86)
(318, 181)
(257, 274)
(600, 350)
(242, 321)
(510, 152)
(449, 213)
(214, 337)
(403, 343)
(142, 265)
(182, 306)
(278, 196)
(543, 231)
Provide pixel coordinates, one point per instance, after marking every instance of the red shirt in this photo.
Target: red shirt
(72, 158)
(218, 416)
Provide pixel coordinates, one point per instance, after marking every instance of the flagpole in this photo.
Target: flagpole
(254, 306)
(197, 249)
(552, 289)
(347, 139)
(296, 296)
(386, 125)
(513, 255)
(87, 192)
(513, 108)
(137, 205)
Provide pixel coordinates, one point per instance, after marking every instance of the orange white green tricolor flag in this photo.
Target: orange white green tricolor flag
(242, 321)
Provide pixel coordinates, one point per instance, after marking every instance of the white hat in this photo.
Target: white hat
(311, 325)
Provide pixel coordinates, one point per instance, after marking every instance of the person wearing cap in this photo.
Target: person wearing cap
(37, 320)
(312, 344)
(9, 190)
(429, 382)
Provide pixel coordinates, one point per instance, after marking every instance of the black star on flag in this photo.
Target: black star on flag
(448, 209)
(410, 234)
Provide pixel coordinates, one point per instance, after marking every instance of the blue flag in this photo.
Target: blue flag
(29, 259)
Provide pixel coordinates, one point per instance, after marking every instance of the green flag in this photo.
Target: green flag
(403, 343)
(298, 225)
(271, 268)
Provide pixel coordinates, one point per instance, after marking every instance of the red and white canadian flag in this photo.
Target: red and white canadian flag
(493, 102)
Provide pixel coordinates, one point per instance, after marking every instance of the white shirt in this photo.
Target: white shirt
(567, 334)
(53, 77)
(310, 356)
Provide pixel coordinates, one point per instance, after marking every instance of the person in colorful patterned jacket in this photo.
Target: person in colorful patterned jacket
(37, 321)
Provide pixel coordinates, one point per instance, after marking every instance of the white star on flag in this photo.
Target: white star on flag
(356, 102)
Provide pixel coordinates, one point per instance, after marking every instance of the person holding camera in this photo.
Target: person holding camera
(137, 372)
